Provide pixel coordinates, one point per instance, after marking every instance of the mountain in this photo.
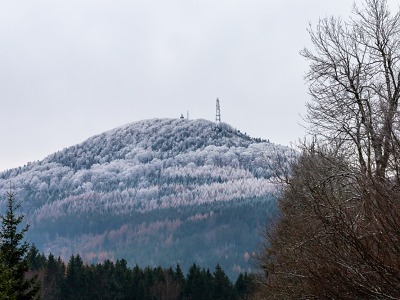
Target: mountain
(155, 192)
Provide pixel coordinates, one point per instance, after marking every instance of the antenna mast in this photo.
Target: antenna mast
(218, 113)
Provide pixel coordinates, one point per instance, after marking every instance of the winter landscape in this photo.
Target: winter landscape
(155, 192)
(286, 187)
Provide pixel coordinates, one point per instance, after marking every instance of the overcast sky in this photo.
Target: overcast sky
(73, 69)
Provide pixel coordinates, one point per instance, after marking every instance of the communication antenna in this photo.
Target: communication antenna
(218, 113)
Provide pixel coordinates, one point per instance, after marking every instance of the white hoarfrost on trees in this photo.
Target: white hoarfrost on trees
(147, 165)
(136, 192)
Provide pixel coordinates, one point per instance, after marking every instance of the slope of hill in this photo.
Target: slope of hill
(157, 192)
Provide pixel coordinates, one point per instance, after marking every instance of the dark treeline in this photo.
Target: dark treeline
(115, 280)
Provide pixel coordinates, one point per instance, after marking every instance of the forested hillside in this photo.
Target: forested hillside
(155, 192)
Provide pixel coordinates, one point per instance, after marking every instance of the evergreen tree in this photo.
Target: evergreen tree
(199, 284)
(122, 276)
(193, 289)
(179, 278)
(14, 283)
(222, 284)
(53, 278)
(244, 285)
(36, 260)
(138, 283)
(75, 281)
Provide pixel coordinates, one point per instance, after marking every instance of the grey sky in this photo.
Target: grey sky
(72, 69)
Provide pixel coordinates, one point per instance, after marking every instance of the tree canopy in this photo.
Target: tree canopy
(339, 226)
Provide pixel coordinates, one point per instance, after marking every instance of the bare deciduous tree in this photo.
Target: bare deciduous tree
(338, 236)
(327, 243)
(354, 82)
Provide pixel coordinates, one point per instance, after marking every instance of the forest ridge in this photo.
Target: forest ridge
(154, 192)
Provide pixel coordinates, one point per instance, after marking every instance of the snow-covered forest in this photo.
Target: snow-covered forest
(170, 167)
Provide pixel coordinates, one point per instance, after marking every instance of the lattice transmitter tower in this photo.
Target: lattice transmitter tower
(218, 113)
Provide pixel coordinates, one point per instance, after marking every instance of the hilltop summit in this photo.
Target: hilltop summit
(169, 181)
